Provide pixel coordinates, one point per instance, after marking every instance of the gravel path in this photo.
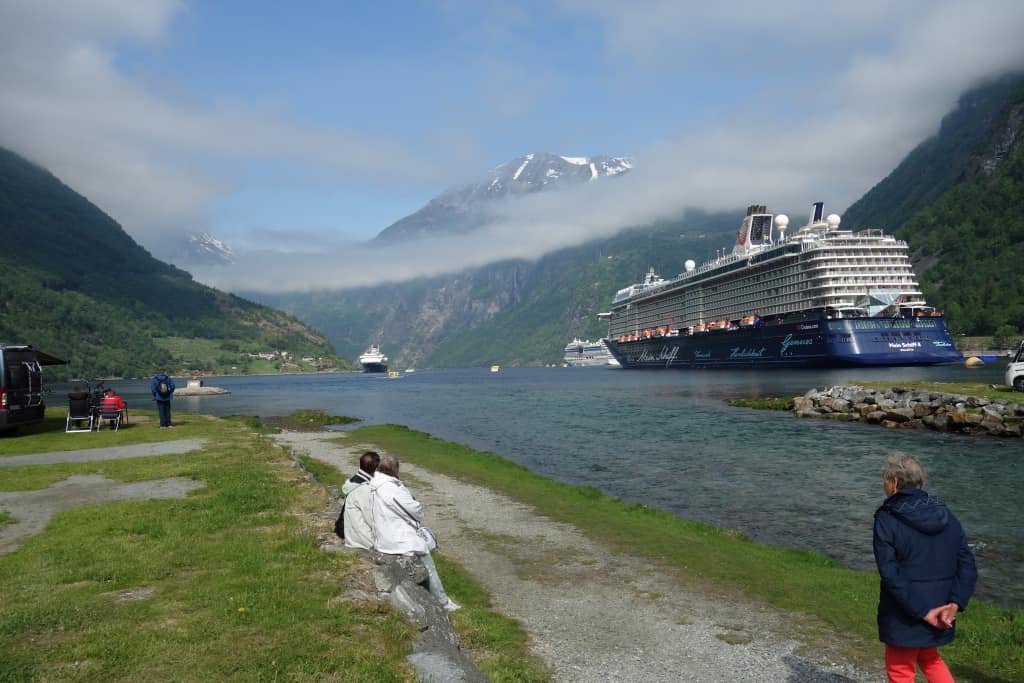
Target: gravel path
(592, 614)
(110, 453)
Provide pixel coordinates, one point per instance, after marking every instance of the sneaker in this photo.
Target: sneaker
(451, 605)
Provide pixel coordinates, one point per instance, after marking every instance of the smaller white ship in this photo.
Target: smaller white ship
(373, 360)
(584, 353)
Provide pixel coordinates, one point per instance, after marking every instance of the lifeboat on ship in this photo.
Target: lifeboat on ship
(700, 328)
(748, 321)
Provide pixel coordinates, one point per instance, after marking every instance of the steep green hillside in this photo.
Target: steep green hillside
(957, 200)
(937, 164)
(973, 241)
(77, 286)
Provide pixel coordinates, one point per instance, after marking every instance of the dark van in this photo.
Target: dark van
(21, 384)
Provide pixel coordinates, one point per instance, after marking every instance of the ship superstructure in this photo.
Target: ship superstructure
(373, 360)
(585, 353)
(842, 298)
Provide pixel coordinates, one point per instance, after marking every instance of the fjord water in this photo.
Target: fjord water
(667, 439)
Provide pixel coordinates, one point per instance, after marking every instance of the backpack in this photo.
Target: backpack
(163, 388)
(339, 525)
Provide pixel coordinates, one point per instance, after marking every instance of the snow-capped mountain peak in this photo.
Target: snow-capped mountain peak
(460, 209)
(203, 248)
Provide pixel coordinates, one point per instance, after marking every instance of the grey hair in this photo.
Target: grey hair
(906, 469)
(388, 464)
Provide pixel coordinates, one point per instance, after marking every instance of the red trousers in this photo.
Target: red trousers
(900, 661)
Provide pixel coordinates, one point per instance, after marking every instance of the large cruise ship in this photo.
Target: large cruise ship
(373, 360)
(819, 296)
(585, 353)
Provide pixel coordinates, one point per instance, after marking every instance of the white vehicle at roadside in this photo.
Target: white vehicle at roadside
(1015, 370)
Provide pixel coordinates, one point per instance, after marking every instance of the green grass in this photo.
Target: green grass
(7, 518)
(840, 603)
(231, 583)
(497, 644)
(308, 420)
(49, 435)
(989, 391)
(766, 403)
(324, 473)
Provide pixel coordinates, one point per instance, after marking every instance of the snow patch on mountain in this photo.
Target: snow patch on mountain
(204, 249)
(464, 208)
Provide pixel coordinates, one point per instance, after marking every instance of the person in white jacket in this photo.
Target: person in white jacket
(397, 517)
(358, 518)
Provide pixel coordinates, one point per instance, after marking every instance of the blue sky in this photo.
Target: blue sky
(293, 130)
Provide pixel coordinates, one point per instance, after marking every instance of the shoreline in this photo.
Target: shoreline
(908, 408)
(594, 610)
(823, 602)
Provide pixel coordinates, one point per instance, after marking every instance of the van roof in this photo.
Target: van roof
(42, 357)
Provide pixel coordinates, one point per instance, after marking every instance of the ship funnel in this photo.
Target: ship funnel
(817, 211)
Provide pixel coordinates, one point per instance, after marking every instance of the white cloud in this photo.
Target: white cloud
(843, 92)
(833, 143)
(152, 158)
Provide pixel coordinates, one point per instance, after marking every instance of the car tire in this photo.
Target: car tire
(1018, 383)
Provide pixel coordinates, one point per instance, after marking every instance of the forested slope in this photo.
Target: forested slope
(957, 199)
(76, 285)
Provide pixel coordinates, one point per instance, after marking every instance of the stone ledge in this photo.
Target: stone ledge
(901, 408)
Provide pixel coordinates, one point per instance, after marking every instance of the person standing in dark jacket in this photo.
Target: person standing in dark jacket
(162, 387)
(927, 573)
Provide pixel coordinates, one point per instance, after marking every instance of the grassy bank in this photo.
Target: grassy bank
(989, 391)
(496, 643)
(766, 403)
(840, 603)
(226, 584)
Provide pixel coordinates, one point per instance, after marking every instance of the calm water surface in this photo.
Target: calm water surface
(667, 439)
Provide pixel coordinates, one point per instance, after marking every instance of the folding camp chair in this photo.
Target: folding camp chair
(109, 412)
(80, 409)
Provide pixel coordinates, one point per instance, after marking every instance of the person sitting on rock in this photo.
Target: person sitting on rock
(397, 518)
(368, 462)
(356, 516)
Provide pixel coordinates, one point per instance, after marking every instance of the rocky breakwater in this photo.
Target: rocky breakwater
(900, 407)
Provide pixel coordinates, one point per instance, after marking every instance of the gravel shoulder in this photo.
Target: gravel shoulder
(594, 614)
(140, 450)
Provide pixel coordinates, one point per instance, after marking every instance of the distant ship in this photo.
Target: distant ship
(585, 353)
(820, 296)
(373, 360)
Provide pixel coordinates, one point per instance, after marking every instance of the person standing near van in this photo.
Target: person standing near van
(162, 387)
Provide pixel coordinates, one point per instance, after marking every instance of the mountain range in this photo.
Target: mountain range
(520, 312)
(77, 286)
(465, 207)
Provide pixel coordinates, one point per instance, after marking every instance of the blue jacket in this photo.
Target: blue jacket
(161, 377)
(924, 562)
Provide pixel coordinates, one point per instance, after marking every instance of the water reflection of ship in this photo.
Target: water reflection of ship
(373, 360)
